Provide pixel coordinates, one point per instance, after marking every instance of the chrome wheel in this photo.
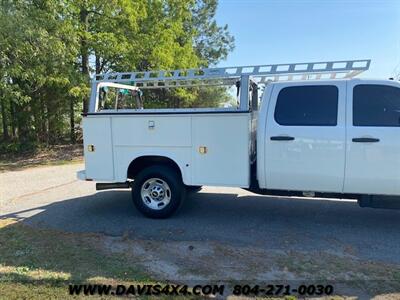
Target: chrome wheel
(155, 193)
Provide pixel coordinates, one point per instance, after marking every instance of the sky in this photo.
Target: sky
(273, 31)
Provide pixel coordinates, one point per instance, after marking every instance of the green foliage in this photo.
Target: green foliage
(49, 48)
(212, 42)
(15, 147)
(193, 97)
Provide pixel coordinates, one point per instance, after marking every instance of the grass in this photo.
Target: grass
(39, 264)
(368, 276)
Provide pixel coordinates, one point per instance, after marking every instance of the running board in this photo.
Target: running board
(379, 201)
(115, 185)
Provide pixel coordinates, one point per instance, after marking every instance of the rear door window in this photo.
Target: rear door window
(376, 105)
(311, 105)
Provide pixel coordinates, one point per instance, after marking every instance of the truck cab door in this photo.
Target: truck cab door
(373, 138)
(305, 137)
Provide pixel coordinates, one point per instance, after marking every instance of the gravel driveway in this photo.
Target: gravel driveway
(219, 233)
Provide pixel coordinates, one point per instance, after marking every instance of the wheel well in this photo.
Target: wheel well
(140, 163)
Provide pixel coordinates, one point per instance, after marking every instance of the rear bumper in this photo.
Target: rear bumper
(81, 175)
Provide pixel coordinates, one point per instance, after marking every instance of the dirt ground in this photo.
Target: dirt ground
(54, 155)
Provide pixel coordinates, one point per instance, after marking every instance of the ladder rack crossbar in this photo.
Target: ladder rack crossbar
(186, 83)
(312, 70)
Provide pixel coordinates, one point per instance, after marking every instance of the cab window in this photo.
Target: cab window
(376, 105)
(311, 105)
(111, 98)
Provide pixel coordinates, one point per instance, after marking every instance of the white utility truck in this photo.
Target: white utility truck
(315, 131)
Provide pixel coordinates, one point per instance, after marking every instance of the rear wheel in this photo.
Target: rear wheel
(158, 191)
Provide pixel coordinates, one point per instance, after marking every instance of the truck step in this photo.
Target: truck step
(379, 201)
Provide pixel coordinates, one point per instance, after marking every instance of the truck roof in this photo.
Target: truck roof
(361, 80)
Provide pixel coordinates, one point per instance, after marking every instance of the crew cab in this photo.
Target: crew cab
(317, 135)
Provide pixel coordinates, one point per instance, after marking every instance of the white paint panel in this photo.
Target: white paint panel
(315, 159)
(98, 164)
(227, 138)
(260, 134)
(124, 155)
(372, 168)
(152, 130)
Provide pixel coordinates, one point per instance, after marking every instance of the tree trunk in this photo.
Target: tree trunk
(43, 116)
(6, 136)
(36, 117)
(98, 64)
(46, 123)
(13, 120)
(84, 19)
(72, 120)
(21, 121)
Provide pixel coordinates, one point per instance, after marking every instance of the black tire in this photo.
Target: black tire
(193, 188)
(176, 191)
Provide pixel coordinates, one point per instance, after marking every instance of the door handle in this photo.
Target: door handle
(282, 138)
(365, 140)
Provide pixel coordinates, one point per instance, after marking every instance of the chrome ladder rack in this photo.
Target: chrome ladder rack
(228, 75)
(261, 74)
